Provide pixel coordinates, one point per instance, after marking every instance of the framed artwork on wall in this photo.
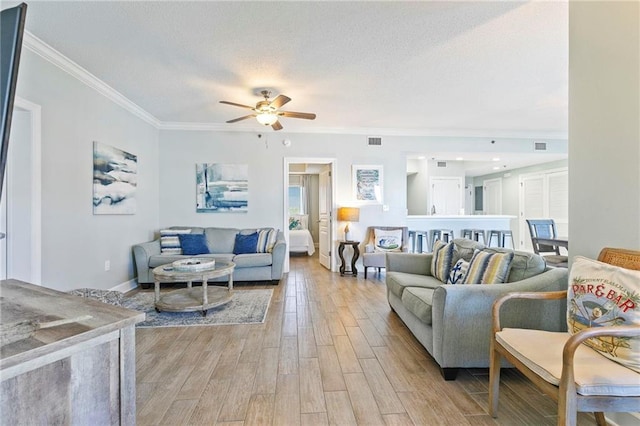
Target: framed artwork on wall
(222, 188)
(367, 184)
(115, 178)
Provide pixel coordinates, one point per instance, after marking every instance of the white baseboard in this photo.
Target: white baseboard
(126, 286)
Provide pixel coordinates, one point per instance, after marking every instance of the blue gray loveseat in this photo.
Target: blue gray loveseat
(453, 321)
(257, 266)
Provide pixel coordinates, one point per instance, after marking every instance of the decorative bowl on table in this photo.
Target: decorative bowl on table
(193, 265)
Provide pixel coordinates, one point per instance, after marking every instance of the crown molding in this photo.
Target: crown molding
(51, 55)
(368, 131)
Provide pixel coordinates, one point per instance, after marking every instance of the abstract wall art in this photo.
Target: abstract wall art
(222, 188)
(115, 178)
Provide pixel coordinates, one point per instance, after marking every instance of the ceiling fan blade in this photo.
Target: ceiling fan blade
(291, 114)
(235, 104)
(241, 118)
(276, 126)
(279, 101)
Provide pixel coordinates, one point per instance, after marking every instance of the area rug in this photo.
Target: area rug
(245, 307)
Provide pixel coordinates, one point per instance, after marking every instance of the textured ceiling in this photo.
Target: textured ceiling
(451, 68)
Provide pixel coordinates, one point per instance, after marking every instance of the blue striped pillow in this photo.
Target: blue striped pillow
(441, 260)
(266, 240)
(488, 268)
(170, 242)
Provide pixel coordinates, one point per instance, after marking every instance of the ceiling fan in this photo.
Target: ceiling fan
(267, 113)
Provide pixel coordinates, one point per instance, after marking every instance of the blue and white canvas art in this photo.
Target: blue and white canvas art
(115, 178)
(222, 188)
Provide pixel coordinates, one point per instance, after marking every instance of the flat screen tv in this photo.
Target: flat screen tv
(11, 31)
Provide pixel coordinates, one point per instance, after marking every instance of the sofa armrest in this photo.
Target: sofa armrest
(411, 263)
(455, 307)
(277, 257)
(141, 254)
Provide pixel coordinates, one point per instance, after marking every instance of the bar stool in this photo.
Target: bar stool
(419, 240)
(501, 235)
(439, 234)
(474, 234)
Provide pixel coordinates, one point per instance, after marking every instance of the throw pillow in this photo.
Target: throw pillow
(169, 241)
(266, 240)
(599, 295)
(246, 243)
(387, 240)
(294, 223)
(488, 268)
(458, 271)
(193, 244)
(441, 260)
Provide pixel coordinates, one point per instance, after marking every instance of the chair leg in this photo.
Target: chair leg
(365, 272)
(494, 381)
(379, 271)
(600, 420)
(567, 406)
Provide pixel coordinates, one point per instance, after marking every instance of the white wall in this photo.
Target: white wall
(604, 132)
(604, 128)
(75, 243)
(181, 150)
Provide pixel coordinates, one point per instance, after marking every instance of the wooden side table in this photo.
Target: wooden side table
(354, 258)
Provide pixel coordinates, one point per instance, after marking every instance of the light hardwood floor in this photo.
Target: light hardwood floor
(330, 352)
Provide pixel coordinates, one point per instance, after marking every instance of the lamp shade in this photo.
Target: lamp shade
(348, 214)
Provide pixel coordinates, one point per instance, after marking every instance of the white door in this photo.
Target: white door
(531, 206)
(544, 195)
(492, 196)
(447, 195)
(324, 213)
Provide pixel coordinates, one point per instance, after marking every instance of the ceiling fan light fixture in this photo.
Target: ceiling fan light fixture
(267, 118)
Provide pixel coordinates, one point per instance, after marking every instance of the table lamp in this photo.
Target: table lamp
(348, 214)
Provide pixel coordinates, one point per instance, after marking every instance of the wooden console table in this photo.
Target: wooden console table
(356, 255)
(78, 373)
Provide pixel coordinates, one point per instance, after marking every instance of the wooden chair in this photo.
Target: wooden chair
(570, 349)
(546, 228)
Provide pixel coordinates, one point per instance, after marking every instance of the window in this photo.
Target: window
(295, 199)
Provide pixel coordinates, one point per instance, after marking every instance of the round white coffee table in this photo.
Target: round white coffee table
(192, 298)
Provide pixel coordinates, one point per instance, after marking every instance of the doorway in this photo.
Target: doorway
(324, 168)
(20, 208)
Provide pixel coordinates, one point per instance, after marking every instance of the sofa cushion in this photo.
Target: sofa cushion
(193, 244)
(488, 268)
(221, 240)
(398, 281)
(246, 243)
(418, 301)
(464, 248)
(599, 295)
(170, 241)
(524, 265)
(541, 351)
(442, 260)
(251, 260)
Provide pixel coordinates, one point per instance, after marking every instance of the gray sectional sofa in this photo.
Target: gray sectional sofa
(453, 322)
(220, 241)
